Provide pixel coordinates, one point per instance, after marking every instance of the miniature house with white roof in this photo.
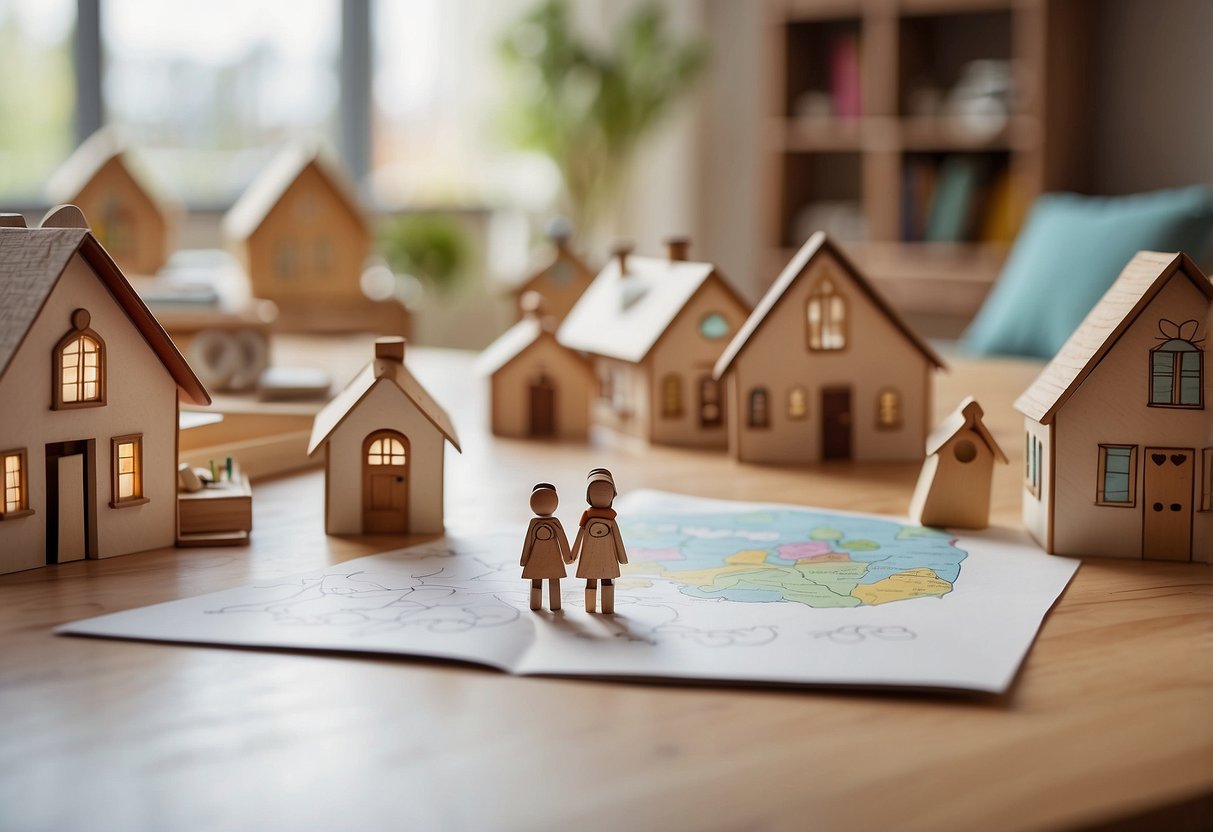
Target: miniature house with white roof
(825, 369)
(654, 328)
(384, 438)
(89, 390)
(561, 280)
(1118, 433)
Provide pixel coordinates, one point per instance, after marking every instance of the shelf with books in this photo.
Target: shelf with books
(821, 191)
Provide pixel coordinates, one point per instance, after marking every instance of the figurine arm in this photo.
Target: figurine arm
(577, 541)
(528, 544)
(562, 541)
(620, 553)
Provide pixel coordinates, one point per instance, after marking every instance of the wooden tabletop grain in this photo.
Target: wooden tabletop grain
(1109, 724)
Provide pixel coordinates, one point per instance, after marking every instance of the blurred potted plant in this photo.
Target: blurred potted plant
(587, 108)
(431, 250)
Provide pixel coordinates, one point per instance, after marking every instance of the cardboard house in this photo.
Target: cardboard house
(89, 391)
(1118, 434)
(304, 240)
(129, 217)
(561, 281)
(653, 328)
(538, 389)
(954, 486)
(825, 369)
(383, 439)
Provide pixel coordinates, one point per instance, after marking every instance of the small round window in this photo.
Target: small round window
(965, 451)
(713, 326)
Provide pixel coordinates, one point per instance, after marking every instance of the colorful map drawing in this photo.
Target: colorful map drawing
(817, 559)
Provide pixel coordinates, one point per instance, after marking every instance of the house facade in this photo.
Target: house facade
(957, 476)
(1118, 434)
(560, 282)
(89, 387)
(825, 369)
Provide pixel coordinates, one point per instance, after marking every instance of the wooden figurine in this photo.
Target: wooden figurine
(954, 487)
(304, 240)
(384, 439)
(654, 327)
(825, 369)
(1118, 430)
(538, 388)
(131, 219)
(89, 390)
(598, 544)
(561, 281)
(546, 549)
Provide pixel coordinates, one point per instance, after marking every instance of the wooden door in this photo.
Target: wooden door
(543, 407)
(836, 423)
(385, 482)
(711, 414)
(1167, 530)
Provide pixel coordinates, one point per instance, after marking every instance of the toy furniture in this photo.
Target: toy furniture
(561, 281)
(546, 549)
(654, 327)
(304, 240)
(538, 388)
(954, 486)
(825, 369)
(598, 547)
(129, 217)
(89, 389)
(220, 514)
(1117, 431)
(383, 438)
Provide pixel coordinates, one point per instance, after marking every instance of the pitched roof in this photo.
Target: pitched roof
(31, 262)
(260, 197)
(379, 372)
(107, 144)
(967, 416)
(1138, 284)
(817, 245)
(514, 342)
(624, 316)
(560, 252)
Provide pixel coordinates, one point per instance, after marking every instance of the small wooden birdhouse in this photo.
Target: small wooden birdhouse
(954, 486)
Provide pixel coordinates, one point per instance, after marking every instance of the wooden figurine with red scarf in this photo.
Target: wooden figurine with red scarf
(598, 542)
(546, 549)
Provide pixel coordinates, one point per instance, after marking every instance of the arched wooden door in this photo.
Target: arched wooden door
(385, 482)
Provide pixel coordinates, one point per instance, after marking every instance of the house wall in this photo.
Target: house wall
(143, 252)
(627, 407)
(684, 351)
(141, 397)
(1110, 408)
(575, 390)
(1037, 516)
(877, 356)
(307, 214)
(561, 284)
(385, 407)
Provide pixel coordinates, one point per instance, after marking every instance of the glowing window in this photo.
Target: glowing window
(16, 491)
(80, 366)
(888, 410)
(798, 403)
(127, 457)
(826, 318)
(387, 450)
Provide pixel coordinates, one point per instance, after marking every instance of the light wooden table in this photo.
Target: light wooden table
(1110, 721)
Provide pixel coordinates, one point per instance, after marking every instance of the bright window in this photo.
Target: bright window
(128, 468)
(387, 450)
(79, 366)
(16, 491)
(888, 410)
(798, 403)
(826, 318)
(1176, 370)
(1117, 475)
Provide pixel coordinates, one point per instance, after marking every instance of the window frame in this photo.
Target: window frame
(897, 422)
(1102, 470)
(80, 329)
(138, 498)
(758, 408)
(1033, 454)
(1177, 376)
(671, 396)
(22, 454)
(800, 415)
(822, 294)
(386, 435)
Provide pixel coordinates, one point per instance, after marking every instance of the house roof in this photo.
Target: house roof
(31, 262)
(373, 374)
(514, 342)
(1138, 284)
(260, 197)
(817, 245)
(559, 251)
(623, 316)
(967, 416)
(107, 144)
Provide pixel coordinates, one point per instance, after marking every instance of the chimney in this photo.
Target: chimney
(621, 252)
(677, 247)
(560, 232)
(531, 304)
(12, 221)
(390, 349)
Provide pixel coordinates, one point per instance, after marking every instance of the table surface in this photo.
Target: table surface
(1109, 722)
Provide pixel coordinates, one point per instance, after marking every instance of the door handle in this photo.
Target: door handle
(399, 479)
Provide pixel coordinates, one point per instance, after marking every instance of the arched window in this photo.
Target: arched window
(888, 409)
(826, 317)
(386, 448)
(798, 403)
(714, 326)
(760, 416)
(671, 396)
(79, 366)
(1177, 371)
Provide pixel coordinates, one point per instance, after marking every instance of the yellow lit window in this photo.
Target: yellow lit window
(888, 410)
(16, 496)
(827, 318)
(798, 403)
(128, 469)
(81, 370)
(385, 451)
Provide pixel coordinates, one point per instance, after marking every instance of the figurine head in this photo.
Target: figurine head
(600, 488)
(544, 499)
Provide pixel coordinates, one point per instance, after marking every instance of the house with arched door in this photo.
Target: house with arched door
(384, 441)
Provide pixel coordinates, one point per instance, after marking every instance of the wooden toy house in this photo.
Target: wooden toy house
(304, 241)
(954, 486)
(825, 369)
(560, 282)
(1118, 436)
(538, 389)
(654, 327)
(131, 220)
(384, 439)
(89, 390)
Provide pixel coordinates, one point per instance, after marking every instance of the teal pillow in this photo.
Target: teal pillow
(1070, 250)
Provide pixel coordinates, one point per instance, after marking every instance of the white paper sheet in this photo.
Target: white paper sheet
(714, 591)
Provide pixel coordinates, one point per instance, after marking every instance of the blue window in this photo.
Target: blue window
(1117, 475)
(714, 326)
(1176, 371)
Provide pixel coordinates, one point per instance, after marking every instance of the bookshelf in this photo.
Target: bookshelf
(918, 131)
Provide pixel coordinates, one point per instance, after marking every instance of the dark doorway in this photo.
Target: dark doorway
(71, 501)
(543, 407)
(836, 423)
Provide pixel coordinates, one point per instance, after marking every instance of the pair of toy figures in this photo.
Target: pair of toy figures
(598, 544)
